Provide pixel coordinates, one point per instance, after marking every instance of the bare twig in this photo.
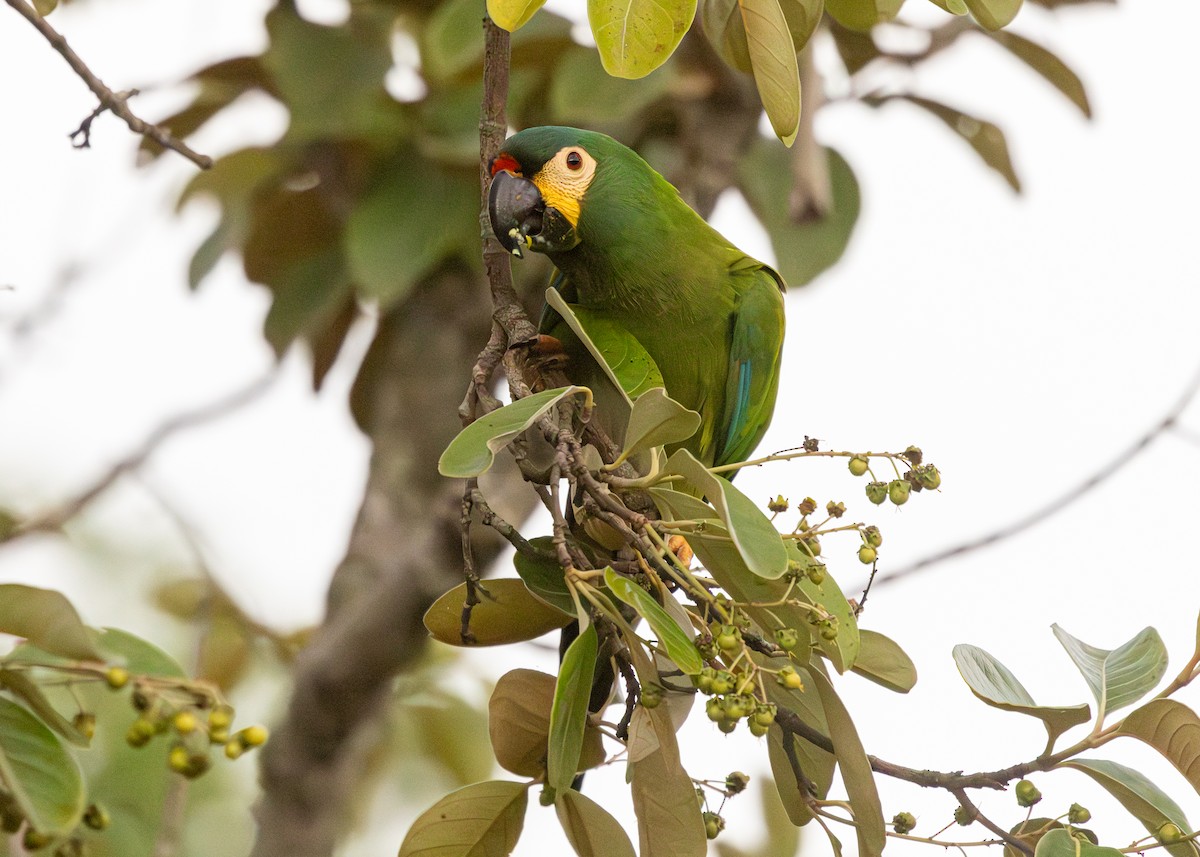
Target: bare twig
(109, 100)
(54, 519)
(1047, 511)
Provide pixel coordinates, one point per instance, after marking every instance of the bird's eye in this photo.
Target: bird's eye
(574, 160)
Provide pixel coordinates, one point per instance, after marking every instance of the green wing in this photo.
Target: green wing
(753, 377)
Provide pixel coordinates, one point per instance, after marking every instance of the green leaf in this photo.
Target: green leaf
(452, 38)
(394, 236)
(1060, 843)
(543, 576)
(862, 14)
(984, 137)
(657, 420)
(816, 762)
(773, 61)
(994, 14)
(992, 682)
(855, 767)
(726, 29)
(42, 777)
(842, 650)
(473, 450)
(1141, 798)
(1172, 729)
(512, 15)
(1120, 676)
(881, 660)
(568, 716)
(635, 37)
(47, 619)
(1049, 66)
(507, 613)
(19, 685)
(479, 820)
(628, 366)
(802, 250)
(678, 644)
(519, 724)
(138, 656)
(583, 94)
(664, 797)
(954, 7)
(753, 534)
(792, 793)
(591, 831)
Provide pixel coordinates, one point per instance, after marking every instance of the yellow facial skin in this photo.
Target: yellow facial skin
(564, 179)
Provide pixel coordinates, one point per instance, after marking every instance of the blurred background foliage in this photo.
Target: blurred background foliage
(370, 201)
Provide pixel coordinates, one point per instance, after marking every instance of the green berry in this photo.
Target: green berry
(1078, 814)
(816, 574)
(872, 536)
(858, 465)
(904, 822)
(723, 682)
(913, 455)
(764, 714)
(737, 706)
(713, 825)
(961, 816)
(898, 491)
(929, 477)
(652, 696)
(728, 639)
(757, 729)
(829, 632)
(727, 726)
(877, 492)
(867, 554)
(704, 681)
(715, 709)
(735, 783)
(1027, 793)
(787, 638)
(789, 678)
(1169, 832)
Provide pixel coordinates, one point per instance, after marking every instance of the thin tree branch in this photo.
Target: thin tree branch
(53, 520)
(109, 100)
(1063, 501)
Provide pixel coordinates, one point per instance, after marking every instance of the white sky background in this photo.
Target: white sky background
(1021, 341)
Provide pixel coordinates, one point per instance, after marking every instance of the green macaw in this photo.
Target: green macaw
(630, 250)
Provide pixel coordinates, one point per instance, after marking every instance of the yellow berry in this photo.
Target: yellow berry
(253, 736)
(858, 465)
(117, 677)
(184, 722)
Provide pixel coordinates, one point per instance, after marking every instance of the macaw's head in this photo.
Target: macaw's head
(540, 185)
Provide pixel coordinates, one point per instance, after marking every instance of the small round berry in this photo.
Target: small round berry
(877, 492)
(736, 782)
(898, 491)
(757, 729)
(713, 825)
(727, 726)
(728, 639)
(253, 736)
(867, 554)
(652, 696)
(185, 722)
(117, 677)
(904, 822)
(963, 817)
(1027, 793)
(787, 638)
(1169, 832)
(714, 709)
(858, 465)
(929, 477)
(789, 678)
(872, 536)
(1078, 814)
(234, 749)
(179, 759)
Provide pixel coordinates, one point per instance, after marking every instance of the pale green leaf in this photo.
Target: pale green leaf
(984, 137)
(47, 620)
(1121, 676)
(802, 249)
(664, 797)
(479, 820)
(507, 613)
(511, 15)
(855, 768)
(590, 829)
(19, 685)
(139, 656)
(657, 420)
(635, 37)
(773, 62)
(1141, 798)
(993, 683)
(993, 14)
(1049, 66)
(1172, 729)
(42, 777)
(671, 637)
(543, 576)
(954, 7)
(568, 716)
(842, 650)
(753, 534)
(473, 450)
(881, 660)
(582, 93)
(1060, 843)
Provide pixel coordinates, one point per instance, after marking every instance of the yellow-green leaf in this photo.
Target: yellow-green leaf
(1061, 843)
(568, 714)
(473, 450)
(507, 613)
(1141, 798)
(543, 576)
(984, 137)
(881, 660)
(635, 37)
(47, 620)
(1172, 729)
(479, 820)
(42, 777)
(519, 724)
(1049, 66)
(19, 685)
(1121, 676)
(862, 14)
(843, 649)
(773, 62)
(591, 831)
(679, 646)
(657, 420)
(994, 14)
(511, 15)
(664, 797)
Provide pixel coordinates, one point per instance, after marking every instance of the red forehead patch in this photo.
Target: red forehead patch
(505, 161)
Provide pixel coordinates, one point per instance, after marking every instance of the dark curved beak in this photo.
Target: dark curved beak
(515, 207)
(522, 220)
